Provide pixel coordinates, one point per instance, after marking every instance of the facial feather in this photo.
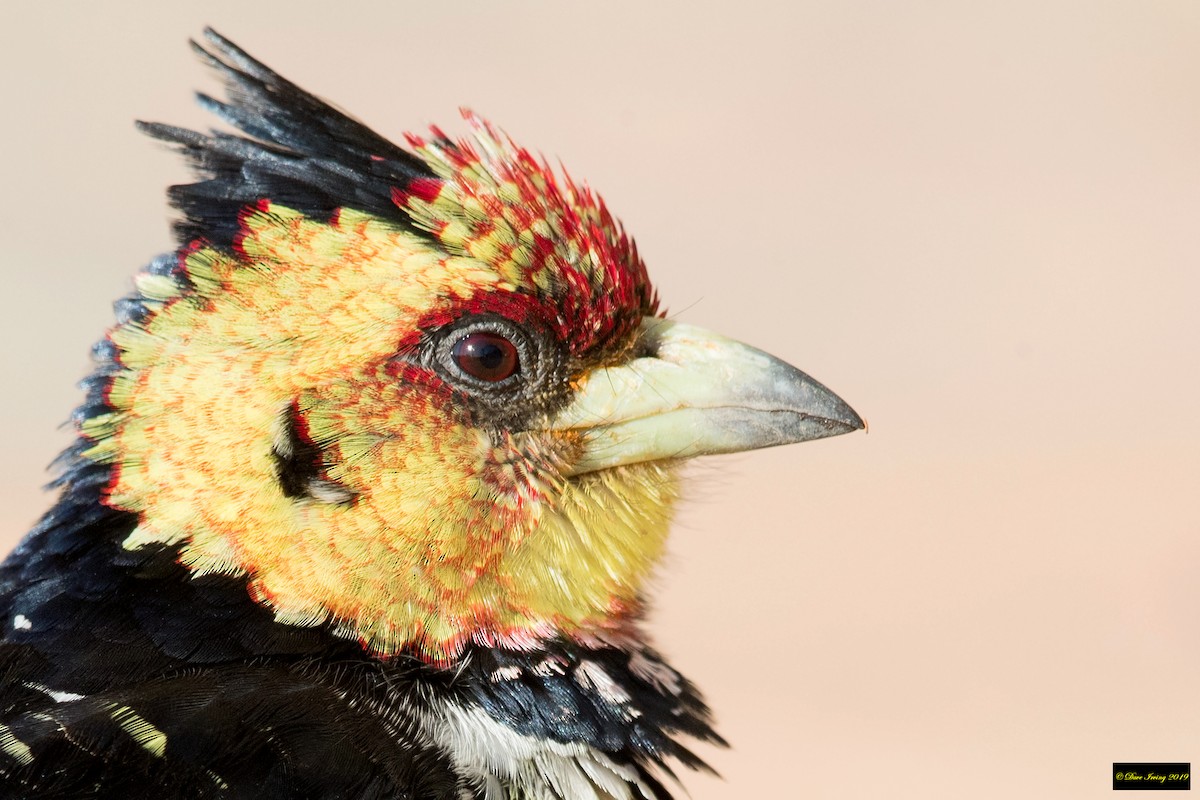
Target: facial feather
(423, 396)
(429, 525)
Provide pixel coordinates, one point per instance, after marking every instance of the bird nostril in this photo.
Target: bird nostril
(645, 347)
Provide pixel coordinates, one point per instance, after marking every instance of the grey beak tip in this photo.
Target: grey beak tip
(855, 422)
(842, 424)
(833, 411)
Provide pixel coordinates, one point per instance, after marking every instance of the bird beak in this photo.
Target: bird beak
(696, 393)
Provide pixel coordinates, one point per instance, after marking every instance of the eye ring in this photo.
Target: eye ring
(486, 353)
(496, 400)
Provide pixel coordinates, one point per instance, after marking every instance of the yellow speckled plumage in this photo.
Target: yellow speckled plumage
(450, 534)
(371, 475)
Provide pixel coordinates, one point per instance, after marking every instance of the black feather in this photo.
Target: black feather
(264, 709)
(298, 151)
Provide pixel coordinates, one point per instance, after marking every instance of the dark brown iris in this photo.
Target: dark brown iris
(486, 356)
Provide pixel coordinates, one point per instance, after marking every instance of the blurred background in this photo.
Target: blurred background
(979, 223)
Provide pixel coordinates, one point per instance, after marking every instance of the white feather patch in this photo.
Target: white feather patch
(512, 766)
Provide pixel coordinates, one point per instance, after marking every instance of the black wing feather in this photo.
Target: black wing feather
(263, 709)
(257, 731)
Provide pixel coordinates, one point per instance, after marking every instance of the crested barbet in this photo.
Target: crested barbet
(369, 481)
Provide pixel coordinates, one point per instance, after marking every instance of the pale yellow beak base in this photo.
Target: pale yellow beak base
(696, 393)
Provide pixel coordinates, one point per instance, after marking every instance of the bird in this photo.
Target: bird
(368, 482)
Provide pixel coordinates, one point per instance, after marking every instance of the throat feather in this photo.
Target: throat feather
(259, 424)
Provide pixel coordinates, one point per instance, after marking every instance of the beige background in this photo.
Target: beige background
(978, 222)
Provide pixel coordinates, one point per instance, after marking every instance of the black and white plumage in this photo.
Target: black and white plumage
(130, 667)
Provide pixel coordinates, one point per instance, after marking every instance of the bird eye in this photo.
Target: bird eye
(486, 356)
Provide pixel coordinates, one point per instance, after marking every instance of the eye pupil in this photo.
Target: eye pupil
(486, 356)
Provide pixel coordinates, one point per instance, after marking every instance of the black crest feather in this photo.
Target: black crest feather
(298, 151)
(123, 674)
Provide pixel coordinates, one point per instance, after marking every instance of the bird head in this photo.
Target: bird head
(423, 395)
